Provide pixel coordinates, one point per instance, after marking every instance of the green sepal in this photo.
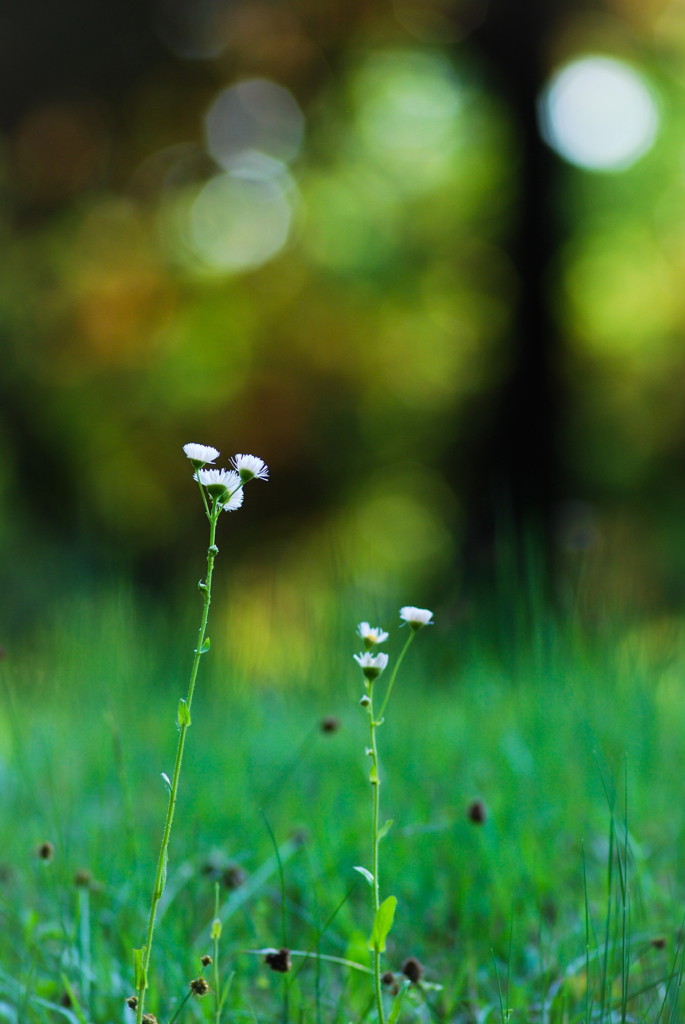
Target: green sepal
(139, 972)
(216, 929)
(382, 924)
(382, 832)
(183, 713)
(397, 1002)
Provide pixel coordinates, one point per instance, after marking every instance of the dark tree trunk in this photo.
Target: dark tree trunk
(517, 474)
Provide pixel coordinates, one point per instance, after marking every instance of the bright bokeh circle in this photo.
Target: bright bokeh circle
(599, 113)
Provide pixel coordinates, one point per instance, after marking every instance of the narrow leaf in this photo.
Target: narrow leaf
(382, 924)
(367, 874)
(75, 1005)
(373, 774)
(167, 780)
(183, 712)
(397, 1002)
(385, 829)
(140, 977)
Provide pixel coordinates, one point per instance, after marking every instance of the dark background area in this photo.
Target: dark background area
(462, 340)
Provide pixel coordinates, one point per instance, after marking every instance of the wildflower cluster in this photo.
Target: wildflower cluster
(221, 491)
(224, 486)
(373, 664)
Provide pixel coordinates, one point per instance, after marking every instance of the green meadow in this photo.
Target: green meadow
(564, 904)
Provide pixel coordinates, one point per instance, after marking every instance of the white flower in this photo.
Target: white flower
(235, 501)
(371, 635)
(371, 664)
(250, 467)
(200, 454)
(224, 484)
(416, 617)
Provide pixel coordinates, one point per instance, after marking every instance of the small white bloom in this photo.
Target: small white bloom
(235, 501)
(371, 635)
(223, 484)
(371, 664)
(416, 617)
(200, 453)
(250, 467)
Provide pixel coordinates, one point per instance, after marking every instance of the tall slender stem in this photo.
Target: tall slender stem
(183, 724)
(375, 781)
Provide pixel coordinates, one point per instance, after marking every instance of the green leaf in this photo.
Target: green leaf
(363, 871)
(205, 646)
(385, 829)
(183, 712)
(75, 1005)
(216, 929)
(140, 975)
(397, 1003)
(373, 774)
(382, 924)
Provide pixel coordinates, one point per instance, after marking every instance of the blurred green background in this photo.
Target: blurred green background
(423, 257)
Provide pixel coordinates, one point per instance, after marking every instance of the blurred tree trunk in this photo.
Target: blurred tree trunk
(517, 472)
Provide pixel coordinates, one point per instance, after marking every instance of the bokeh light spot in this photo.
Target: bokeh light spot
(408, 106)
(240, 220)
(599, 113)
(254, 115)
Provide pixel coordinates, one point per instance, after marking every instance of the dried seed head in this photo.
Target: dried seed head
(477, 812)
(149, 1018)
(206, 960)
(412, 969)
(389, 982)
(199, 986)
(330, 724)
(233, 876)
(45, 851)
(83, 879)
(659, 942)
(132, 1002)
(278, 960)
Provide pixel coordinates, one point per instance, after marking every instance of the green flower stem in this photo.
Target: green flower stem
(393, 677)
(374, 778)
(375, 781)
(160, 876)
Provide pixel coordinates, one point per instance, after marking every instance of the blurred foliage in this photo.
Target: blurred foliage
(288, 236)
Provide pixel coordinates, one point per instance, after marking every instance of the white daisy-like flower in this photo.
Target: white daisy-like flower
(416, 617)
(236, 500)
(200, 454)
(371, 664)
(224, 485)
(250, 467)
(371, 635)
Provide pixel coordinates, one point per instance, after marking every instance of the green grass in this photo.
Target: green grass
(574, 743)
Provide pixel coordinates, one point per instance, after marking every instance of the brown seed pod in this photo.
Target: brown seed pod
(477, 812)
(412, 969)
(278, 960)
